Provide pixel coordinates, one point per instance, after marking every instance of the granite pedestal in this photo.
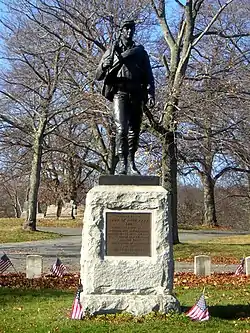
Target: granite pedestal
(127, 253)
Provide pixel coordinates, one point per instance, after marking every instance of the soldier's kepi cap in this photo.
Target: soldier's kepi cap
(127, 23)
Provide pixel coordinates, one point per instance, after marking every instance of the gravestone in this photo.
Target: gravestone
(51, 211)
(202, 265)
(67, 210)
(247, 261)
(127, 252)
(34, 266)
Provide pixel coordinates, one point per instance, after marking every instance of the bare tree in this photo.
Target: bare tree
(31, 95)
(182, 40)
(78, 32)
(13, 189)
(214, 113)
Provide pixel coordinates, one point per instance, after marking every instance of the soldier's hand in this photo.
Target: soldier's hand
(107, 63)
(151, 102)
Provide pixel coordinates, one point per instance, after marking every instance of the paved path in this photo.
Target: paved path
(68, 249)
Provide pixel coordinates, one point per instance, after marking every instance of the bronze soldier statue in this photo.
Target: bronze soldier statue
(129, 83)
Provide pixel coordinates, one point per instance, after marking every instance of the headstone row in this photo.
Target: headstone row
(202, 265)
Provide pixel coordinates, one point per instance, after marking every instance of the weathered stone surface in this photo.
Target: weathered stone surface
(126, 283)
(51, 211)
(34, 266)
(134, 304)
(68, 209)
(202, 265)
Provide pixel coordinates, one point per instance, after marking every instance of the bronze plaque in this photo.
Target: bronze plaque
(128, 234)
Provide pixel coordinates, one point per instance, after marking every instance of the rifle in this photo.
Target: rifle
(108, 88)
(113, 50)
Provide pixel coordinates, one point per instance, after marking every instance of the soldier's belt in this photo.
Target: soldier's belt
(128, 87)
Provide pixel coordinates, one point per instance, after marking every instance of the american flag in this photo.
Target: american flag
(199, 311)
(240, 267)
(5, 263)
(58, 268)
(77, 310)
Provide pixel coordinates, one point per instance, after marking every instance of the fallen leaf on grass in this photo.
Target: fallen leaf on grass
(70, 281)
(216, 279)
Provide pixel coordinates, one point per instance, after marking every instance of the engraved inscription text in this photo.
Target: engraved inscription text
(128, 234)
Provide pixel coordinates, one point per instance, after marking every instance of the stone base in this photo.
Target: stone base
(134, 304)
(114, 280)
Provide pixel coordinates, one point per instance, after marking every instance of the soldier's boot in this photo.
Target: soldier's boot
(132, 165)
(133, 138)
(122, 144)
(123, 165)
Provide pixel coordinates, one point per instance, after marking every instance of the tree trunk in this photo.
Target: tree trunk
(30, 223)
(72, 180)
(209, 202)
(169, 176)
(248, 195)
(173, 170)
(17, 207)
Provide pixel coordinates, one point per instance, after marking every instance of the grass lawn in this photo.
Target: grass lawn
(47, 311)
(222, 249)
(11, 229)
(11, 232)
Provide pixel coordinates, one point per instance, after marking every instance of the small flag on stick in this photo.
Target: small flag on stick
(240, 267)
(58, 268)
(5, 263)
(200, 310)
(77, 310)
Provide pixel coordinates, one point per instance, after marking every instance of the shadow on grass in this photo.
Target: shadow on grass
(49, 233)
(37, 231)
(230, 312)
(8, 296)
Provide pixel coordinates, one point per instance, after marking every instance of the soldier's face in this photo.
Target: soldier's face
(128, 32)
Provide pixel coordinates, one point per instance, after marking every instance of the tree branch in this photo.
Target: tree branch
(160, 12)
(211, 23)
(14, 124)
(180, 4)
(227, 169)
